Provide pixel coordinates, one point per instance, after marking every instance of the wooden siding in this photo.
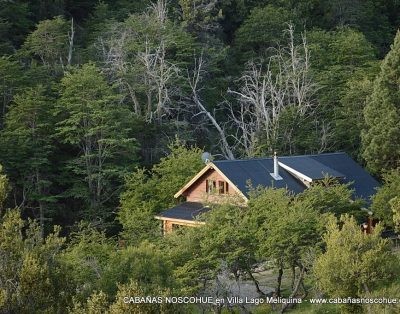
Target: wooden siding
(197, 192)
(169, 225)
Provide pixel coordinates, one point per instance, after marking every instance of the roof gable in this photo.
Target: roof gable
(209, 166)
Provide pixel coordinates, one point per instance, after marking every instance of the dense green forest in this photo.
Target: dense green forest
(107, 106)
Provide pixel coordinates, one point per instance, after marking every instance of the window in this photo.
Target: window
(211, 186)
(221, 187)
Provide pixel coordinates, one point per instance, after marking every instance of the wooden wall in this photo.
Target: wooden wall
(197, 192)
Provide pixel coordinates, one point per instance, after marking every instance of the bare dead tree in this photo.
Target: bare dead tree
(111, 48)
(71, 36)
(158, 73)
(160, 10)
(325, 137)
(194, 80)
(145, 71)
(267, 91)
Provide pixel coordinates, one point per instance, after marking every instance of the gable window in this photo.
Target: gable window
(223, 187)
(211, 186)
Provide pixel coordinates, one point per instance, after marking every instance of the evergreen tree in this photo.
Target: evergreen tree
(380, 138)
(384, 201)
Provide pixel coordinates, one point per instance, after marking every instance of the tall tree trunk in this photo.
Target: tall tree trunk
(366, 289)
(41, 206)
(293, 277)
(279, 281)
(225, 146)
(256, 283)
(71, 42)
(286, 306)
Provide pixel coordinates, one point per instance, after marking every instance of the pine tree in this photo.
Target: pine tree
(380, 138)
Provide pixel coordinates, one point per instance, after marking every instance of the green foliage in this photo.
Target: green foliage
(224, 247)
(148, 194)
(175, 170)
(260, 31)
(69, 136)
(329, 196)
(87, 256)
(350, 121)
(191, 267)
(97, 303)
(134, 289)
(31, 276)
(98, 264)
(98, 128)
(138, 206)
(14, 24)
(382, 116)
(3, 188)
(49, 42)
(392, 290)
(26, 147)
(201, 17)
(336, 55)
(371, 17)
(381, 201)
(354, 263)
(273, 227)
(12, 79)
(151, 58)
(288, 232)
(395, 206)
(146, 264)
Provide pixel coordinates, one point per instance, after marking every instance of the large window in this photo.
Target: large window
(220, 187)
(223, 187)
(211, 186)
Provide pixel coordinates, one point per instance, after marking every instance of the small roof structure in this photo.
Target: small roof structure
(188, 211)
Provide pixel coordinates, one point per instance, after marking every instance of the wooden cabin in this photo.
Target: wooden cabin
(223, 180)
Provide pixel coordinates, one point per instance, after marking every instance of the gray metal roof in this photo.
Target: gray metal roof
(185, 211)
(310, 167)
(257, 172)
(364, 184)
(338, 165)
